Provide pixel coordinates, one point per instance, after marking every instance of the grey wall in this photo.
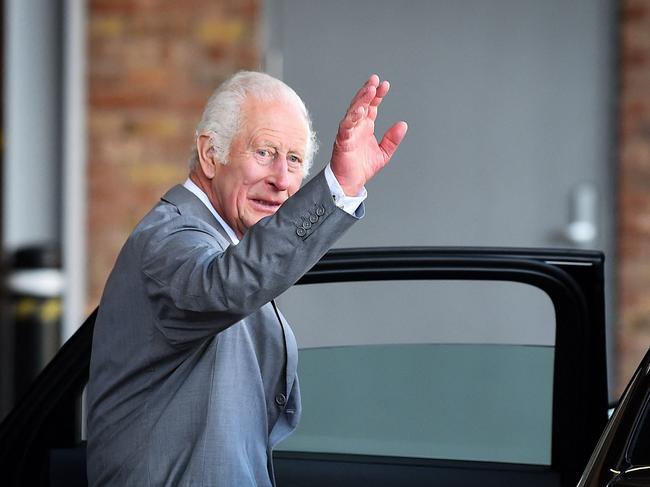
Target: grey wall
(509, 102)
(510, 105)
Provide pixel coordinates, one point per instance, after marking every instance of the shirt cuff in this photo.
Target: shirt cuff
(349, 204)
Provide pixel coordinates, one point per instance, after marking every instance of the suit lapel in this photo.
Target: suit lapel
(187, 203)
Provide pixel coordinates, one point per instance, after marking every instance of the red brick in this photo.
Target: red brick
(634, 188)
(149, 76)
(633, 12)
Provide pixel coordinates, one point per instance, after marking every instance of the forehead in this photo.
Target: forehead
(276, 121)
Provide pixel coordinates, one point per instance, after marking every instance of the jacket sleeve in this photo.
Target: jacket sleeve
(198, 286)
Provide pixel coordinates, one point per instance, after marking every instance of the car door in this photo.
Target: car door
(401, 386)
(398, 390)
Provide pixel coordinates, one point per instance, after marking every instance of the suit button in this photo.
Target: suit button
(320, 211)
(313, 218)
(306, 224)
(280, 399)
(301, 232)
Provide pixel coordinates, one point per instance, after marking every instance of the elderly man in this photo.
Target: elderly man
(193, 370)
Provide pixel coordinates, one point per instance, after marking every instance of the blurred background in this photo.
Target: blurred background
(529, 126)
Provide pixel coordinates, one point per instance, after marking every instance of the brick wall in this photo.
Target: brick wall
(152, 66)
(634, 187)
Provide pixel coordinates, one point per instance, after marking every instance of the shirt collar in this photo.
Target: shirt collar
(198, 192)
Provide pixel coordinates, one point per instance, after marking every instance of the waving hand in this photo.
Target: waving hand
(357, 156)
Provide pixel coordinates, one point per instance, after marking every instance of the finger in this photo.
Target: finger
(360, 106)
(392, 139)
(343, 138)
(364, 99)
(359, 110)
(352, 117)
(382, 91)
(372, 81)
(348, 124)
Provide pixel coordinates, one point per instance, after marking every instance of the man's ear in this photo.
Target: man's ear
(207, 157)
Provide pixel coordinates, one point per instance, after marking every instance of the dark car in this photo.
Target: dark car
(418, 366)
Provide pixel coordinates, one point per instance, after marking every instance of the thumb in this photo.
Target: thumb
(392, 139)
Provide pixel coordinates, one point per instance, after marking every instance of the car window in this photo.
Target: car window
(426, 369)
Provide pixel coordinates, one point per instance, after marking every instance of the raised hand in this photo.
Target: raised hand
(357, 156)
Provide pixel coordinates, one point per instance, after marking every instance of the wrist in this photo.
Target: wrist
(343, 185)
(352, 190)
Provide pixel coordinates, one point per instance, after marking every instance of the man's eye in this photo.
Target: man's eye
(263, 153)
(293, 159)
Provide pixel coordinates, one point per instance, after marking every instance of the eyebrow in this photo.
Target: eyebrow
(267, 143)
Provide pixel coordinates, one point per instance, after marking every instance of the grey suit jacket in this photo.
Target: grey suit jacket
(193, 369)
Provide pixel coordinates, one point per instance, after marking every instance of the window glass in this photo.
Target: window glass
(428, 369)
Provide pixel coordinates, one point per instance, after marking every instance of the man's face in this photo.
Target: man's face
(264, 168)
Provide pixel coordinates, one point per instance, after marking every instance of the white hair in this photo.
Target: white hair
(222, 114)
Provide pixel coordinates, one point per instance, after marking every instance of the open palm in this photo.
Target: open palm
(357, 156)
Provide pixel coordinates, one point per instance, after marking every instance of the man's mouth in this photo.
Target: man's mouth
(266, 205)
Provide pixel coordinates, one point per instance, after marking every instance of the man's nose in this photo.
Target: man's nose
(279, 173)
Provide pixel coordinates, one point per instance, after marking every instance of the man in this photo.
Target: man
(193, 368)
